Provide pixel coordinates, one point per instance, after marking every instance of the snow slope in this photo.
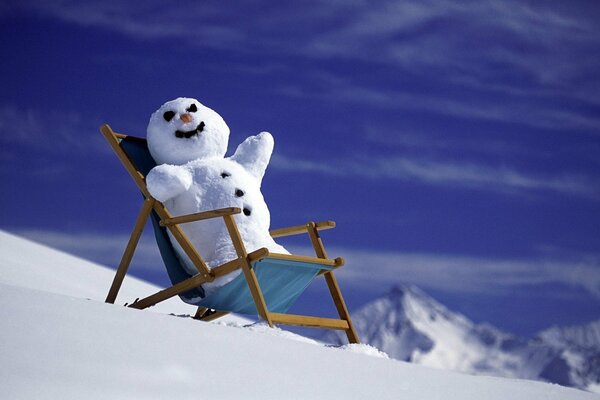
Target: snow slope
(72, 346)
(31, 265)
(409, 325)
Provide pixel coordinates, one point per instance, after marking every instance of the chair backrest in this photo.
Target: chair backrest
(136, 151)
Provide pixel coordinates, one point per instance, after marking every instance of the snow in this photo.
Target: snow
(211, 141)
(409, 325)
(71, 345)
(26, 264)
(193, 177)
(587, 336)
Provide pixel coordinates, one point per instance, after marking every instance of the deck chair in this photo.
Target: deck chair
(270, 283)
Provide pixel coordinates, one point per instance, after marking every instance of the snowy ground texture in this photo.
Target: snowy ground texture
(60, 341)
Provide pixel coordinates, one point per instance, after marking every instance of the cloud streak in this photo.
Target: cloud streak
(374, 269)
(462, 273)
(50, 131)
(519, 110)
(534, 51)
(464, 175)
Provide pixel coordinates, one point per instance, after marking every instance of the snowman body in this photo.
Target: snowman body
(193, 177)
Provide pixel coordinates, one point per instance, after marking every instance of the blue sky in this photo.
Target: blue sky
(456, 144)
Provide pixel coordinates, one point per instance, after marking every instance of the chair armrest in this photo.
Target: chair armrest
(182, 219)
(299, 229)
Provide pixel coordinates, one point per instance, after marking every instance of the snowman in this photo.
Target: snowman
(188, 141)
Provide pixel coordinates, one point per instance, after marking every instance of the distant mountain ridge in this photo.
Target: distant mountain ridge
(586, 336)
(409, 325)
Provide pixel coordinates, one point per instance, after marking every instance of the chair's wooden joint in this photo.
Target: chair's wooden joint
(301, 229)
(182, 219)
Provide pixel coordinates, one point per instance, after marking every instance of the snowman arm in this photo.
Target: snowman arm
(168, 181)
(254, 154)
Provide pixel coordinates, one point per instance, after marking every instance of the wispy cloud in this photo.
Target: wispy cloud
(458, 174)
(463, 273)
(519, 110)
(373, 270)
(197, 24)
(424, 34)
(529, 52)
(52, 131)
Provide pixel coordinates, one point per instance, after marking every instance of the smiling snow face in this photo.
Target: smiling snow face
(183, 130)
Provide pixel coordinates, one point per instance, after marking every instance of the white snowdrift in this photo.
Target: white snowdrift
(57, 346)
(31, 265)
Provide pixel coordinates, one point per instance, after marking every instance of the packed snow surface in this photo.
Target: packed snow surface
(68, 346)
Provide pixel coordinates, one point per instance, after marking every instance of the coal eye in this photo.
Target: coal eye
(192, 108)
(168, 115)
(239, 192)
(225, 175)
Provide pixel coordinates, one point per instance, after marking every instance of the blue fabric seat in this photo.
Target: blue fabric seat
(281, 281)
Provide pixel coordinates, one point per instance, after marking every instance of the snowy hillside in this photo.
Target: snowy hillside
(409, 325)
(71, 346)
(31, 265)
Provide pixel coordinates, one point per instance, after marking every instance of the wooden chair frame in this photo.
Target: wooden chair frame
(243, 262)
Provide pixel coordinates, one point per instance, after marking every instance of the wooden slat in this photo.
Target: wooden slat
(182, 219)
(313, 322)
(340, 305)
(316, 240)
(334, 289)
(299, 229)
(200, 312)
(226, 268)
(338, 262)
(137, 177)
(251, 280)
(235, 236)
(183, 240)
(169, 292)
(214, 315)
(129, 250)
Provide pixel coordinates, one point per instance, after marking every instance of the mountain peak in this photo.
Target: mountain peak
(405, 289)
(410, 325)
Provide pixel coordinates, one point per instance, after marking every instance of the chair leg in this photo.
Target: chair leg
(211, 315)
(334, 288)
(257, 294)
(340, 305)
(200, 312)
(129, 250)
(251, 280)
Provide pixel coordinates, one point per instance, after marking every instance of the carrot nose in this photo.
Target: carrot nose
(185, 118)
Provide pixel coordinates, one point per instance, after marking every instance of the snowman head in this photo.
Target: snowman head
(183, 130)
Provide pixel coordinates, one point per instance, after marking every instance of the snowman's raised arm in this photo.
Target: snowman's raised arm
(167, 181)
(254, 154)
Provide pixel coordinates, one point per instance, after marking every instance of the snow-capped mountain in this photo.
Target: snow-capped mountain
(409, 325)
(584, 336)
(579, 346)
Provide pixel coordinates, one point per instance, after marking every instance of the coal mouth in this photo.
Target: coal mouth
(189, 134)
